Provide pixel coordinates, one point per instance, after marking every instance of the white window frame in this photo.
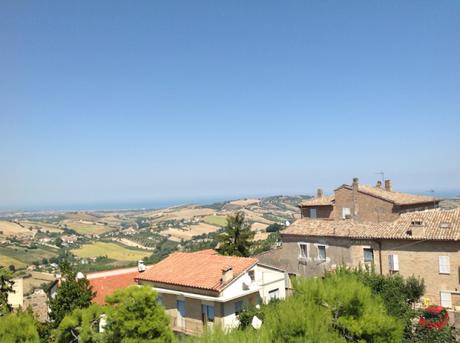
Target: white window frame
(307, 248)
(444, 265)
(313, 211)
(274, 294)
(346, 211)
(393, 263)
(325, 252)
(445, 298)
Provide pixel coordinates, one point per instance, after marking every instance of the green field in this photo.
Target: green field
(88, 229)
(21, 257)
(111, 250)
(216, 220)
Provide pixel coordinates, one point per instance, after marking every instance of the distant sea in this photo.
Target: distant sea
(157, 204)
(127, 205)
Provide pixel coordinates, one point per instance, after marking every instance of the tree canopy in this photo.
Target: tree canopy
(18, 326)
(236, 239)
(6, 287)
(137, 317)
(72, 294)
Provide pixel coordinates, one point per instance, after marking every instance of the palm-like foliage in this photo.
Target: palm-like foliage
(237, 237)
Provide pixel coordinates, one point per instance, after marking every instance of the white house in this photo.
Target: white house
(206, 289)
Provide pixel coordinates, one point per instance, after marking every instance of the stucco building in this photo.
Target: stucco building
(205, 289)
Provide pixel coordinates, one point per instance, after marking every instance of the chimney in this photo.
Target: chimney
(355, 188)
(379, 184)
(355, 184)
(227, 274)
(319, 193)
(140, 266)
(388, 185)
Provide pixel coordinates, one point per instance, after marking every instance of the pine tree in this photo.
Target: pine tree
(136, 316)
(72, 294)
(6, 287)
(237, 237)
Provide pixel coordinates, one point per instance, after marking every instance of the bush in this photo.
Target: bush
(339, 308)
(18, 327)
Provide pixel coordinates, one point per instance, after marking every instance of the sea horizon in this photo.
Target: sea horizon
(155, 204)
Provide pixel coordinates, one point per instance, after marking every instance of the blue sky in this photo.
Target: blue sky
(121, 101)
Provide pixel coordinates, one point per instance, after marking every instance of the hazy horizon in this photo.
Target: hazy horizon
(104, 102)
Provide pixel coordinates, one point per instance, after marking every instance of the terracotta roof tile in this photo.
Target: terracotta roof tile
(434, 224)
(202, 269)
(106, 282)
(397, 198)
(318, 201)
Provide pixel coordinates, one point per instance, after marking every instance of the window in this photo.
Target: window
(159, 299)
(252, 275)
(181, 308)
(238, 307)
(321, 253)
(393, 263)
(368, 255)
(207, 313)
(303, 253)
(346, 213)
(274, 294)
(446, 299)
(444, 265)
(312, 212)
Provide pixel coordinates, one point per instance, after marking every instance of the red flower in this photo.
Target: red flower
(434, 317)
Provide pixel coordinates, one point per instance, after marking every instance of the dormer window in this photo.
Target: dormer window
(417, 223)
(445, 225)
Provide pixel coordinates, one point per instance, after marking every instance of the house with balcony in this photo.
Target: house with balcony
(203, 289)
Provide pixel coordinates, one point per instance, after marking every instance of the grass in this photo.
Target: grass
(7, 261)
(111, 250)
(21, 257)
(216, 220)
(88, 229)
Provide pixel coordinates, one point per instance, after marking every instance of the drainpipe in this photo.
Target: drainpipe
(380, 257)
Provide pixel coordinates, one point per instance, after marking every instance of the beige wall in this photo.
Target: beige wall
(421, 259)
(418, 258)
(367, 208)
(321, 211)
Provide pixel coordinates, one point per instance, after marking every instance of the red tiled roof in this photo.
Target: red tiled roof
(202, 269)
(107, 282)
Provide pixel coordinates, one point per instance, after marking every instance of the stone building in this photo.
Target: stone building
(374, 225)
(425, 244)
(365, 203)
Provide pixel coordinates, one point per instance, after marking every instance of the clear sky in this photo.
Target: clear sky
(119, 101)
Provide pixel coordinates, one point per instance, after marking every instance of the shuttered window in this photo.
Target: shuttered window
(444, 265)
(393, 263)
(446, 299)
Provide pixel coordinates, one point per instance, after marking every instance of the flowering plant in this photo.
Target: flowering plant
(434, 317)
